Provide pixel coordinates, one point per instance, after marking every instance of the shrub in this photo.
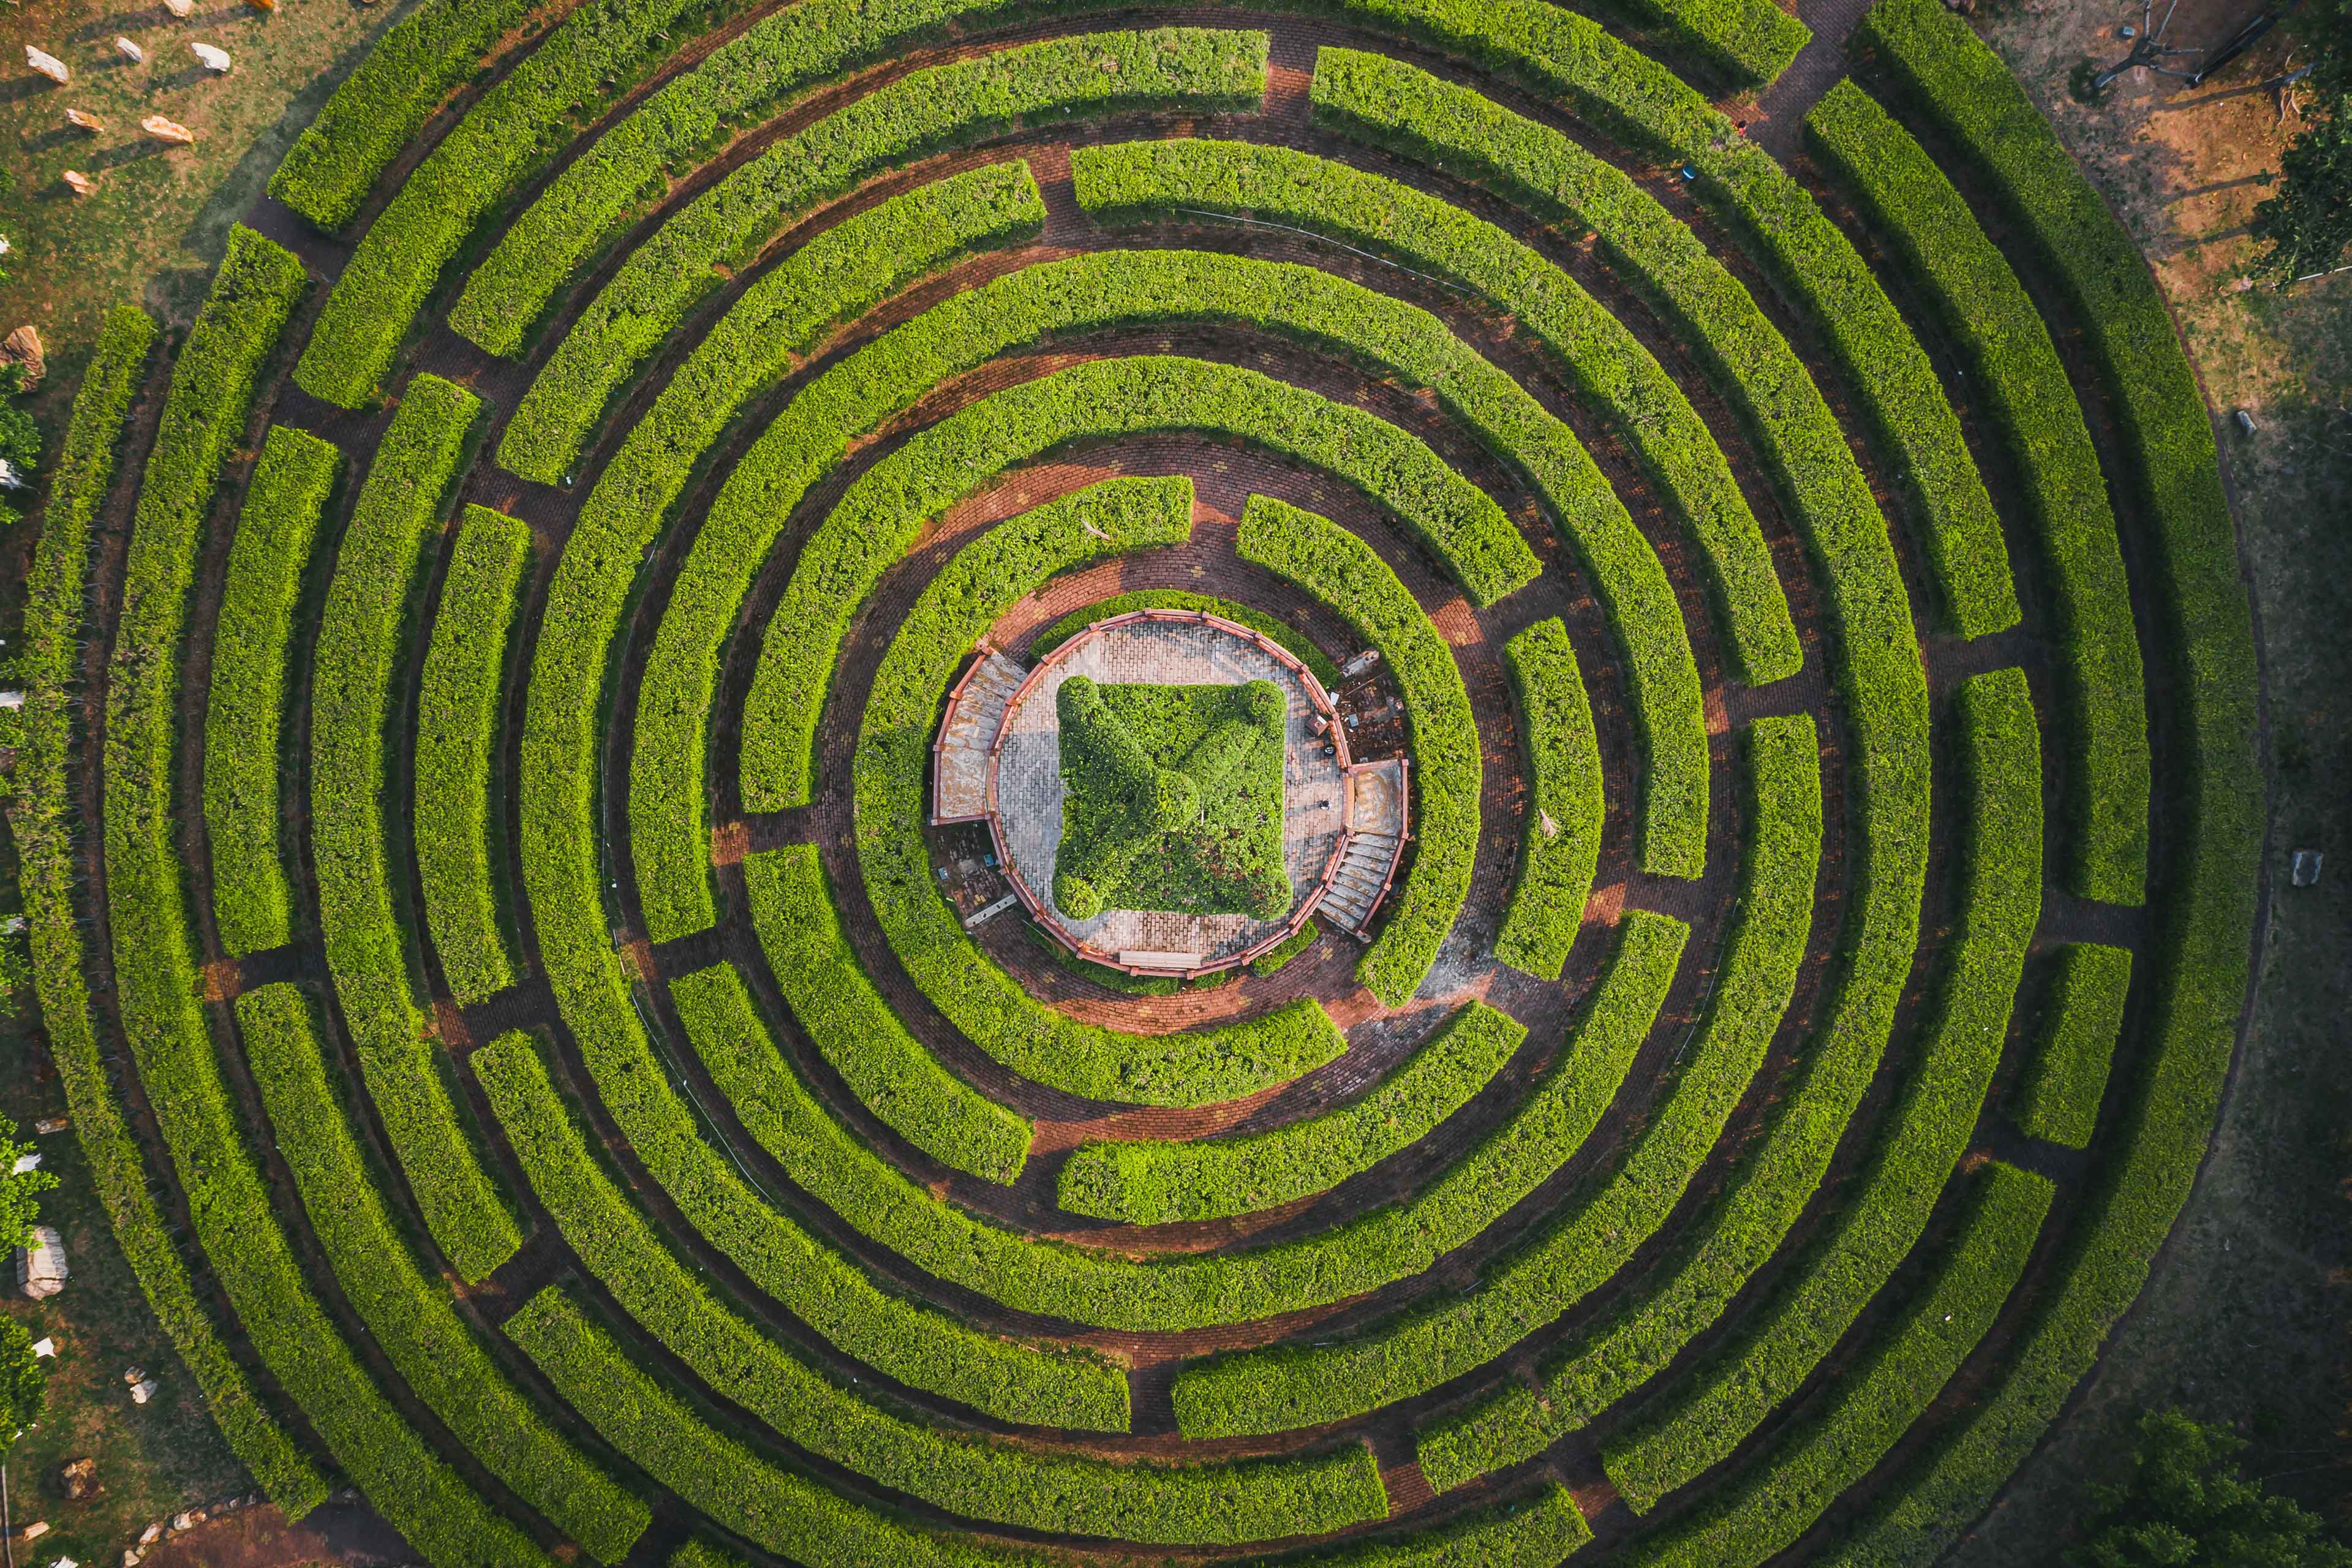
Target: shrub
(358, 651)
(243, 758)
(2201, 957)
(984, 580)
(2059, 1098)
(1537, 1533)
(456, 825)
(1752, 41)
(1561, 848)
(380, 106)
(1999, 902)
(2032, 401)
(1285, 1386)
(1342, 571)
(889, 1071)
(637, 310)
(1291, 640)
(1140, 181)
(788, 1514)
(1588, 1246)
(1275, 958)
(1870, 1405)
(842, 272)
(410, 1318)
(48, 864)
(1214, 1503)
(485, 155)
(1154, 1184)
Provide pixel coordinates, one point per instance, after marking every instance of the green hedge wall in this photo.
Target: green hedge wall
(361, 638)
(908, 1087)
(244, 759)
(506, 133)
(48, 866)
(1292, 641)
(1154, 1184)
(1538, 1532)
(1752, 41)
(2058, 1097)
(456, 819)
(1881, 1216)
(843, 272)
(1987, 310)
(379, 108)
(411, 1319)
(636, 312)
(1343, 571)
(2202, 954)
(802, 1520)
(1561, 848)
(1280, 1388)
(1782, 807)
(1213, 1504)
(1872, 1404)
(1138, 181)
(982, 581)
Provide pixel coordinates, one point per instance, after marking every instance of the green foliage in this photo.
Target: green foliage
(1139, 181)
(1752, 41)
(468, 173)
(2307, 224)
(20, 438)
(1536, 1533)
(1871, 1405)
(2059, 1098)
(1999, 902)
(984, 580)
(843, 271)
(891, 1073)
(1561, 848)
(243, 761)
(358, 653)
(1191, 819)
(1289, 639)
(377, 109)
(20, 1191)
(2187, 1502)
(455, 825)
(2010, 351)
(634, 313)
(411, 1318)
(1342, 571)
(2206, 906)
(1154, 1184)
(48, 866)
(24, 1383)
(1284, 1387)
(1782, 805)
(1211, 1503)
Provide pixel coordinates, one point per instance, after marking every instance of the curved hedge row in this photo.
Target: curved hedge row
(1345, 572)
(1987, 310)
(889, 1070)
(1208, 1503)
(40, 817)
(1280, 1388)
(2058, 1097)
(1153, 1183)
(637, 310)
(252, 904)
(1590, 1242)
(457, 701)
(360, 638)
(1197, 177)
(1561, 848)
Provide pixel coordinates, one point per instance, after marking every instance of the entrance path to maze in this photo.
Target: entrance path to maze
(489, 918)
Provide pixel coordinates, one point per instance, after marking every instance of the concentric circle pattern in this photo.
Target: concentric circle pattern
(553, 1060)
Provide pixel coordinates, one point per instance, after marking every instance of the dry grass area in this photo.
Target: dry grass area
(2249, 1317)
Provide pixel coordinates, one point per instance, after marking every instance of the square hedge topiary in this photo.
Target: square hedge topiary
(1174, 799)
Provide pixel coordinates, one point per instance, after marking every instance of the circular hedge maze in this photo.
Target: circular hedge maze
(547, 1065)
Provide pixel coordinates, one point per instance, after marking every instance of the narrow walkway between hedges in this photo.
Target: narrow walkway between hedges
(1818, 68)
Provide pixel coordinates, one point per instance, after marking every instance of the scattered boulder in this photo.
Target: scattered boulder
(170, 133)
(81, 121)
(214, 60)
(48, 64)
(81, 1478)
(41, 1268)
(76, 182)
(129, 50)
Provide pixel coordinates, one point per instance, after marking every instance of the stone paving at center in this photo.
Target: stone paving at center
(1163, 653)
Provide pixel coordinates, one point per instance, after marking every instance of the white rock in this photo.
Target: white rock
(170, 133)
(216, 60)
(26, 1162)
(143, 1390)
(41, 1268)
(45, 1347)
(48, 64)
(129, 50)
(148, 1536)
(36, 1529)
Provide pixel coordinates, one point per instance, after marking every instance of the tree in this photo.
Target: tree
(24, 1382)
(18, 1189)
(2308, 223)
(2186, 1506)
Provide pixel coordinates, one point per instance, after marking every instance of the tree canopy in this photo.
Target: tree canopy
(2186, 1506)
